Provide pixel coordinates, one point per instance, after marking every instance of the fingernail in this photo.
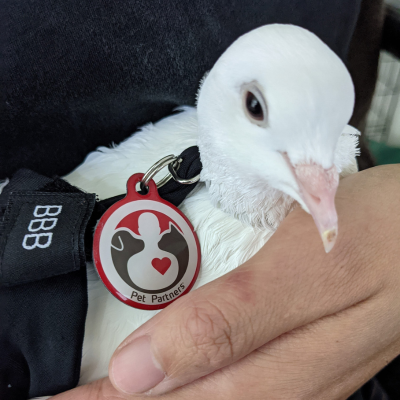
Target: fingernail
(134, 369)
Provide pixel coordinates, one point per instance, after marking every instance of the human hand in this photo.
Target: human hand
(291, 323)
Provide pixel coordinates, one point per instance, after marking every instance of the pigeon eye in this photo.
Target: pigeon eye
(254, 105)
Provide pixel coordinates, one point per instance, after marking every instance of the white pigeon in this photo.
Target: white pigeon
(271, 126)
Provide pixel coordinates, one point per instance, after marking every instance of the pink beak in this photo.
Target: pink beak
(317, 189)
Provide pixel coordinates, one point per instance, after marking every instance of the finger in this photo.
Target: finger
(289, 283)
(101, 389)
(328, 359)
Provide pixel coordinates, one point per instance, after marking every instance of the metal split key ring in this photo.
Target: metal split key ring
(173, 164)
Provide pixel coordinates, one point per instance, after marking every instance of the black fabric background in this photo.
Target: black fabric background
(76, 75)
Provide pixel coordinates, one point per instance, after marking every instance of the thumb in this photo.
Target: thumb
(288, 283)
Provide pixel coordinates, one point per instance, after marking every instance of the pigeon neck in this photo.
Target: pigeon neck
(244, 197)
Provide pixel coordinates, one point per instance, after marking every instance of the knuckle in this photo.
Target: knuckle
(208, 333)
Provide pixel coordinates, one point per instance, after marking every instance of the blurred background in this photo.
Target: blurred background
(383, 121)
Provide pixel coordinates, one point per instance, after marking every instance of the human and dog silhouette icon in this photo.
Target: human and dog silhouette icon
(150, 260)
(152, 268)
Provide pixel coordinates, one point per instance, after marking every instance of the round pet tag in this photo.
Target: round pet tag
(145, 249)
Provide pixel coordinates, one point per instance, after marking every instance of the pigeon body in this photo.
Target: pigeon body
(271, 126)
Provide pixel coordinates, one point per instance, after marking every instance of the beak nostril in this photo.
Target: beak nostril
(316, 199)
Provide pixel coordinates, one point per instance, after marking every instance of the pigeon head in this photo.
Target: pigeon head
(270, 114)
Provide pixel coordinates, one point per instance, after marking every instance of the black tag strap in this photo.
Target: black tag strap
(190, 166)
(173, 191)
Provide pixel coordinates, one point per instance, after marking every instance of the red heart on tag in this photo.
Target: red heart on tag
(161, 265)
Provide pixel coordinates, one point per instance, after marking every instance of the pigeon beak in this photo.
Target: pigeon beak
(317, 190)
